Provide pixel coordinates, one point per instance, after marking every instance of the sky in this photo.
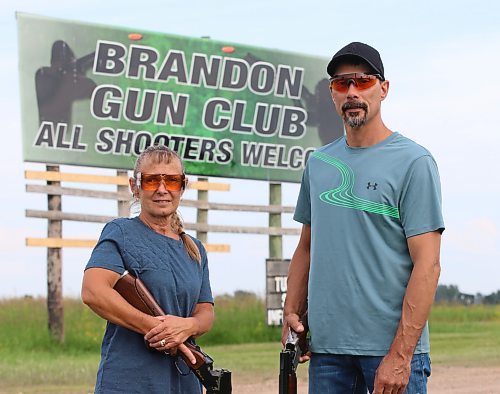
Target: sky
(441, 58)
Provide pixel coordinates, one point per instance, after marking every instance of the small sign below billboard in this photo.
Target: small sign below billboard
(276, 287)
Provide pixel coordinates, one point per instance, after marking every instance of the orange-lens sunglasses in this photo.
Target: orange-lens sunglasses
(340, 83)
(173, 183)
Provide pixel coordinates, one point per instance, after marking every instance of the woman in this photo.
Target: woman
(154, 248)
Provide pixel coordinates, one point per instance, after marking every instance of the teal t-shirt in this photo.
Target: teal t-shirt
(176, 281)
(362, 205)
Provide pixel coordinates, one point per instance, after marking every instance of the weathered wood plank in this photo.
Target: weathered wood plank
(90, 243)
(61, 242)
(78, 217)
(242, 229)
(126, 196)
(217, 248)
(68, 191)
(237, 207)
(189, 226)
(220, 187)
(110, 180)
(80, 178)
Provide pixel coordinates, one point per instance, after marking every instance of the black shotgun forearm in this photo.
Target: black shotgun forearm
(288, 376)
(296, 346)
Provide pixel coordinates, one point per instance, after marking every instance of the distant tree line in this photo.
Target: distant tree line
(452, 294)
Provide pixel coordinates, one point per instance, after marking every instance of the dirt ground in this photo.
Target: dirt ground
(463, 380)
(444, 380)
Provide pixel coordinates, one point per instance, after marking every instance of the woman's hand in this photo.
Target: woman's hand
(172, 332)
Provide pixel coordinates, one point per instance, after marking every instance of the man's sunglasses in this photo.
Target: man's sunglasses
(173, 183)
(340, 83)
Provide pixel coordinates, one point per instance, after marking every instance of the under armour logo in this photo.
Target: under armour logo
(374, 186)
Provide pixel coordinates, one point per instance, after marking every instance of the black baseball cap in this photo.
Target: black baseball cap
(357, 49)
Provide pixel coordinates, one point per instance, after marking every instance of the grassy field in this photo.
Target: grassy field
(30, 362)
(465, 335)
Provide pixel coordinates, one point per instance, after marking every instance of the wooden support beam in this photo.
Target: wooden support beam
(55, 307)
(275, 241)
(90, 243)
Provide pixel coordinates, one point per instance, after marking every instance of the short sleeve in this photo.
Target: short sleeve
(420, 204)
(108, 251)
(206, 290)
(303, 208)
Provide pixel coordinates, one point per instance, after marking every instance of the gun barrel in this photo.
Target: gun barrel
(287, 377)
(292, 384)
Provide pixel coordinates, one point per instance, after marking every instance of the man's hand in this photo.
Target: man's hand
(293, 322)
(392, 375)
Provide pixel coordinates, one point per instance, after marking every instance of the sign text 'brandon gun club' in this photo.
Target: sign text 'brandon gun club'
(164, 108)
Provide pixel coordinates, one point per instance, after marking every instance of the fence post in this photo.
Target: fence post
(123, 206)
(202, 214)
(275, 241)
(55, 306)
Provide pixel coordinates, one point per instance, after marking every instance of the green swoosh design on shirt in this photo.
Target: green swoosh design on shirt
(343, 196)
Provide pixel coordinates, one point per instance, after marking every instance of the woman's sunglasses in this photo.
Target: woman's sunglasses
(172, 183)
(340, 83)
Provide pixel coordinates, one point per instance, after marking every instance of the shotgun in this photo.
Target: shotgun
(295, 346)
(135, 292)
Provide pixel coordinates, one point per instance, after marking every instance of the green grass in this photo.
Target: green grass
(240, 319)
(23, 327)
(443, 313)
(31, 362)
(467, 336)
(47, 372)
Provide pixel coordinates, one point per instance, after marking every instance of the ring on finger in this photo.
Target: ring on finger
(162, 343)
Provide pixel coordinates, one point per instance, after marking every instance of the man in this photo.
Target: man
(367, 263)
